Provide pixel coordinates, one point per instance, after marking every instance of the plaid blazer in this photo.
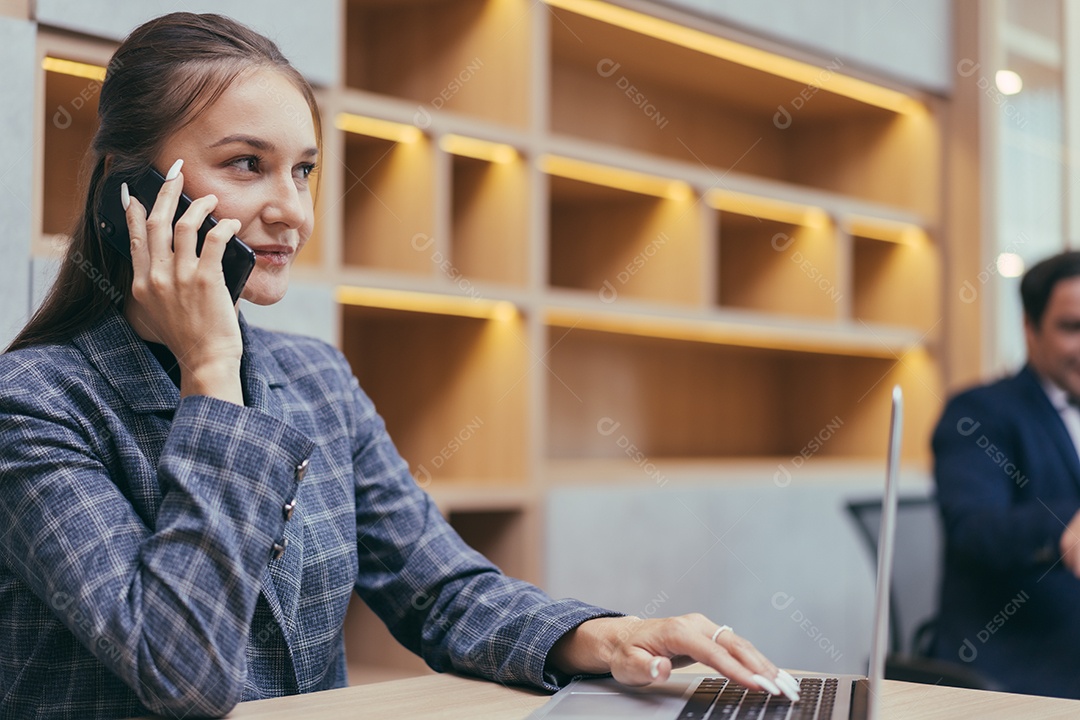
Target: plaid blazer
(138, 532)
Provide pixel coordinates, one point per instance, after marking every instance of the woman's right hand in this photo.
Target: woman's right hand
(180, 299)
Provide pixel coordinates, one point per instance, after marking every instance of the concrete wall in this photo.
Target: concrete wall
(909, 40)
(784, 566)
(306, 32)
(17, 43)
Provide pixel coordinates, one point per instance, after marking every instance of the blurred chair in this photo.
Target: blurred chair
(913, 592)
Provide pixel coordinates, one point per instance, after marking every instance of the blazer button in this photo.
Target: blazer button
(287, 509)
(279, 549)
(301, 469)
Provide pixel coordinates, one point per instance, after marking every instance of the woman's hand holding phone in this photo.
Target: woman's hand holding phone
(180, 298)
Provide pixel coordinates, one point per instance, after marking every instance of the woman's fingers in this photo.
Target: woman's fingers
(135, 214)
(186, 231)
(159, 226)
(214, 247)
(646, 654)
(172, 247)
(180, 298)
(641, 667)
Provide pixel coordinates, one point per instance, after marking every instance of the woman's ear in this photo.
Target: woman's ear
(108, 161)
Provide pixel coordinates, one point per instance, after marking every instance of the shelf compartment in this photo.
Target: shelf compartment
(662, 98)
(372, 653)
(463, 56)
(777, 256)
(690, 472)
(895, 274)
(430, 303)
(617, 242)
(450, 388)
(70, 116)
(389, 191)
(502, 536)
(489, 208)
(739, 329)
(617, 397)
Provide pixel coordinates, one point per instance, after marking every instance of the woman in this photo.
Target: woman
(189, 501)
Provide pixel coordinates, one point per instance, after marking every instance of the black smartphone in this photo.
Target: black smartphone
(238, 261)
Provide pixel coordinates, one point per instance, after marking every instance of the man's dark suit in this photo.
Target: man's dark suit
(1008, 481)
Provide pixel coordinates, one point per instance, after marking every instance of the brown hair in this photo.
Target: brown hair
(162, 76)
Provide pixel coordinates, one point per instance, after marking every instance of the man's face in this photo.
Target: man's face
(1054, 346)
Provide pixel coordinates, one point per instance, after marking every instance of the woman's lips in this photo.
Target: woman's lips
(277, 255)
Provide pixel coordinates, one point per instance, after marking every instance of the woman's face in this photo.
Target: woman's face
(253, 148)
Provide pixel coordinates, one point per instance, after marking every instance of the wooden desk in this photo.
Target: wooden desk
(453, 697)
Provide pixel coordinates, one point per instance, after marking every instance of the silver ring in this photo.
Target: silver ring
(719, 631)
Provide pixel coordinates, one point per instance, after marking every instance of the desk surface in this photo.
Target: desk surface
(453, 697)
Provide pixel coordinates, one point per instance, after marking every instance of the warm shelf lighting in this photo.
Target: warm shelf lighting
(478, 149)
(502, 310)
(614, 177)
(374, 127)
(768, 208)
(717, 333)
(70, 67)
(881, 229)
(751, 57)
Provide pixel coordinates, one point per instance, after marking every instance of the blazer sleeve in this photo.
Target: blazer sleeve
(166, 608)
(440, 598)
(998, 513)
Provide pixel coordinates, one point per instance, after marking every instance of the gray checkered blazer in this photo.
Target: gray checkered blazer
(138, 529)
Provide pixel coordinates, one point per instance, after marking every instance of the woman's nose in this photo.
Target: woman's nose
(287, 204)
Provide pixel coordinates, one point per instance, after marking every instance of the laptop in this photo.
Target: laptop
(688, 696)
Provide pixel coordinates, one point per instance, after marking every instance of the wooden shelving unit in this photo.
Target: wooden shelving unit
(558, 256)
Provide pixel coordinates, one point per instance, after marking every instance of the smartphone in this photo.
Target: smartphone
(238, 261)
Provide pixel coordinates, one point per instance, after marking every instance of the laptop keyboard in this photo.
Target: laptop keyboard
(722, 699)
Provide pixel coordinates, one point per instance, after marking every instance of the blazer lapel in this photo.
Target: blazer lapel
(262, 377)
(1051, 419)
(128, 366)
(132, 371)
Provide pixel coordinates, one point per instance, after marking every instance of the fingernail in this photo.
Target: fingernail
(788, 685)
(125, 196)
(767, 684)
(654, 668)
(174, 170)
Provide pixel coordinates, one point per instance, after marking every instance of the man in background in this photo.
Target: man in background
(1008, 483)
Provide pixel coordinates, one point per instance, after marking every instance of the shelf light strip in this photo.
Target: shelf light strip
(746, 55)
(714, 333)
(426, 303)
(478, 149)
(881, 229)
(71, 67)
(768, 208)
(375, 127)
(614, 177)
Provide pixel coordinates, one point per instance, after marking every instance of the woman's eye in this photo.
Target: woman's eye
(250, 163)
(306, 169)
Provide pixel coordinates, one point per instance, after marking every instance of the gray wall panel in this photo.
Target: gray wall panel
(782, 565)
(306, 32)
(17, 53)
(910, 40)
(305, 310)
(43, 273)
